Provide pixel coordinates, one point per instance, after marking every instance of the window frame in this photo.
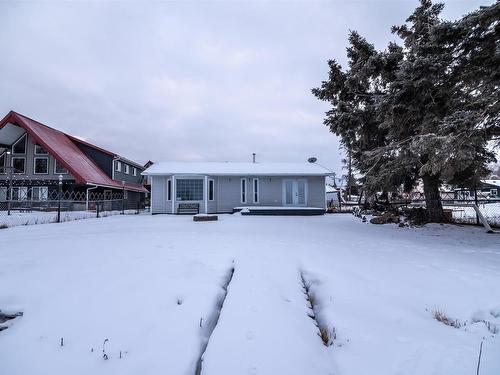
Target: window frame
(24, 138)
(56, 163)
(179, 182)
(19, 189)
(126, 168)
(169, 190)
(38, 153)
(34, 164)
(211, 190)
(255, 190)
(39, 188)
(2, 167)
(243, 190)
(494, 190)
(118, 166)
(12, 164)
(134, 169)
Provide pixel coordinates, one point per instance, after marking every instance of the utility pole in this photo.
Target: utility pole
(9, 191)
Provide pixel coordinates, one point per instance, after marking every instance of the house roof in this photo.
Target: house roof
(495, 183)
(236, 169)
(62, 148)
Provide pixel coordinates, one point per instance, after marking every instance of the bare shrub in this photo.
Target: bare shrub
(440, 316)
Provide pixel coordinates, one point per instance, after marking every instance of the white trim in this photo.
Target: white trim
(205, 196)
(118, 166)
(34, 164)
(55, 166)
(255, 192)
(12, 163)
(212, 181)
(243, 190)
(151, 198)
(174, 193)
(25, 137)
(134, 169)
(126, 169)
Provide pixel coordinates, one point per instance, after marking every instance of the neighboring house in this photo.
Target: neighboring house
(218, 187)
(487, 189)
(34, 155)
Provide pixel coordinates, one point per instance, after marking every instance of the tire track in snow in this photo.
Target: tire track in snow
(212, 321)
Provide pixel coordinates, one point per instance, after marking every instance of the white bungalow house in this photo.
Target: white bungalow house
(226, 187)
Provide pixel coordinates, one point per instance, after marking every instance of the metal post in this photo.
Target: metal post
(123, 197)
(9, 193)
(59, 191)
(475, 201)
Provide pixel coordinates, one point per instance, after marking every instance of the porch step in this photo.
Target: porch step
(280, 211)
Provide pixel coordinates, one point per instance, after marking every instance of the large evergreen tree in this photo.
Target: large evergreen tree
(422, 111)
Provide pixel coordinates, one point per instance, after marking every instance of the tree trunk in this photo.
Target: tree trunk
(433, 199)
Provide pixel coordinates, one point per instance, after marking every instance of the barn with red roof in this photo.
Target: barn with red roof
(34, 157)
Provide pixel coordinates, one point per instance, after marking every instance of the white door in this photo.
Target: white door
(294, 192)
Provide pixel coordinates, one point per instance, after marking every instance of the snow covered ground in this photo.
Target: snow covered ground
(17, 218)
(152, 286)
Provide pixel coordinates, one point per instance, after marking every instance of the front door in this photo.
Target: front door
(295, 192)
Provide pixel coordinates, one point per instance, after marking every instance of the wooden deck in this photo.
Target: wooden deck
(280, 211)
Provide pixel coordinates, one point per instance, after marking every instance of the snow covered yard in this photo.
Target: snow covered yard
(153, 285)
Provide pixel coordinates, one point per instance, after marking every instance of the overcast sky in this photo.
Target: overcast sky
(188, 80)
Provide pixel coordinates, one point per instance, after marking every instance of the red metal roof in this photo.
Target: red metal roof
(62, 148)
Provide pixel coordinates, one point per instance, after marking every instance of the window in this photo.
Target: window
(135, 171)
(126, 168)
(210, 190)
(119, 166)
(39, 193)
(41, 165)
(19, 165)
(125, 194)
(255, 190)
(39, 150)
(243, 190)
(493, 192)
(3, 159)
(169, 190)
(20, 146)
(19, 193)
(59, 168)
(189, 189)
(3, 193)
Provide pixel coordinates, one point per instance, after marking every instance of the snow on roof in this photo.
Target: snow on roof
(236, 169)
(492, 182)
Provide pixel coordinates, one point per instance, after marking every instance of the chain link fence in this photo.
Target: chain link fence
(457, 205)
(35, 205)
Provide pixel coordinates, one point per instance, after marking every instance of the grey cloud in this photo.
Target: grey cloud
(187, 81)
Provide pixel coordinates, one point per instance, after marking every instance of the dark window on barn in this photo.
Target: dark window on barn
(59, 168)
(39, 150)
(19, 165)
(41, 165)
(3, 160)
(20, 146)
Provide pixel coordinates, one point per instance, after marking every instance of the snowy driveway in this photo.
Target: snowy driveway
(151, 285)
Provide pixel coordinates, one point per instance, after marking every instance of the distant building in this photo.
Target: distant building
(33, 156)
